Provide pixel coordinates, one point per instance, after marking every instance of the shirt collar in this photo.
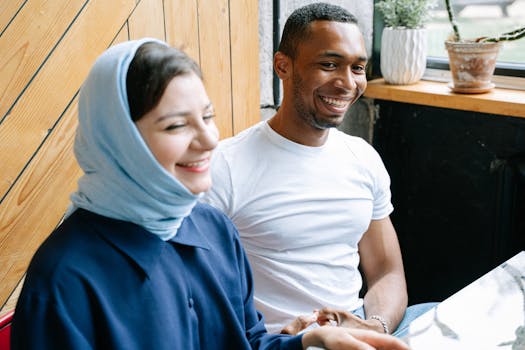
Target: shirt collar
(141, 246)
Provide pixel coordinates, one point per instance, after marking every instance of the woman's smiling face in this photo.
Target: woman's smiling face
(181, 133)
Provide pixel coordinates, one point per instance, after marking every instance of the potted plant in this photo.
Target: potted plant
(404, 39)
(472, 61)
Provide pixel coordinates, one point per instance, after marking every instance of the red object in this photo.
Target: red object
(5, 330)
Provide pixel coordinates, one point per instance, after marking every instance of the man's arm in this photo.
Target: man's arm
(386, 296)
(382, 266)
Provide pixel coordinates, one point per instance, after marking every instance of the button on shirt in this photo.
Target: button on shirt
(108, 284)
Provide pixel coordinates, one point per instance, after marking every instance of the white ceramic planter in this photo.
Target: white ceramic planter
(403, 55)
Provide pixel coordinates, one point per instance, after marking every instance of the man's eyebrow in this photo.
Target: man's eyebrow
(331, 54)
(335, 54)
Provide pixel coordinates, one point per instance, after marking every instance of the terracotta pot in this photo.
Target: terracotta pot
(403, 55)
(472, 65)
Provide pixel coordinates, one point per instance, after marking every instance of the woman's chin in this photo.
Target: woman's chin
(198, 188)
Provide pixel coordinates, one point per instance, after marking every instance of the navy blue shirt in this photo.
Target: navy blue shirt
(102, 283)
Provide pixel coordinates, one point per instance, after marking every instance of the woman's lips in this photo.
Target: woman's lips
(197, 166)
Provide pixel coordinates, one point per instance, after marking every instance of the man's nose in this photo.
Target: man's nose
(346, 80)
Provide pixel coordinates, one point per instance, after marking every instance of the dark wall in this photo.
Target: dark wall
(458, 189)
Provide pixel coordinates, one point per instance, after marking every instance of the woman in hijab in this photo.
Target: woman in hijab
(137, 263)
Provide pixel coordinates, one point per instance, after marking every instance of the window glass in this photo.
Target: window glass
(478, 18)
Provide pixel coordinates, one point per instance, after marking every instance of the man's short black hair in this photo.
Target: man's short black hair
(296, 28)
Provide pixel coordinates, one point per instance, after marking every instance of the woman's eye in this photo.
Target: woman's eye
(208, 117)
(174, 126)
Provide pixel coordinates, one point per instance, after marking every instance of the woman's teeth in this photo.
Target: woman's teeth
(194, 164)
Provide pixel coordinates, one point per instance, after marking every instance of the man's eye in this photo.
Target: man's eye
(328, 65)
(359, 69)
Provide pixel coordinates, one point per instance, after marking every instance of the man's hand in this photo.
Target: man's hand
(331, 317)
(300, 323)
(342, 338)
(341, 318)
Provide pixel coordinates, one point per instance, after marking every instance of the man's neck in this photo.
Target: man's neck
(296, 130)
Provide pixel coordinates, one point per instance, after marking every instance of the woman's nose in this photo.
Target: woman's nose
(207, 138)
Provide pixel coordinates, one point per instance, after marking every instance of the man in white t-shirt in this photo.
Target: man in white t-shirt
(311, 203)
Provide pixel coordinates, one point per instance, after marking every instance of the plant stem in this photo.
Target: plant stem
(509, 36)
(452, 19)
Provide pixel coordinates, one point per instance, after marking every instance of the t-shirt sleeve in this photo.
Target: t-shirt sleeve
(220, 194)
(381, 192)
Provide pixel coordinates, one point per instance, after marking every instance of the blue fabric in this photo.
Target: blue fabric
(412, 312)
(122, 179)
(100, 283)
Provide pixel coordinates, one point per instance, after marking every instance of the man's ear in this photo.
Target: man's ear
(282, 64)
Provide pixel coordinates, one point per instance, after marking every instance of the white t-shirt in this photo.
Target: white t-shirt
(300, 212)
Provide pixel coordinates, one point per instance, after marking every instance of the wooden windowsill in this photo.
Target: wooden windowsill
(499, 101)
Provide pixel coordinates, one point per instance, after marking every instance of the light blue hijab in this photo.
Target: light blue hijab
(122, 179)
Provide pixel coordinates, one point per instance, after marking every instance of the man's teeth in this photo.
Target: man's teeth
(335, 102)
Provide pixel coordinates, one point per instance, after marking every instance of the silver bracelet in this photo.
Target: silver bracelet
(382, 320)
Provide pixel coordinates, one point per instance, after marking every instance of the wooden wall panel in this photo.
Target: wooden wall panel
(123, 34)
(182, 26)
(245, 64)
(215, 60)
(38, 201)
(8, 10)
(147, 20)
(29, 39)
(47, 49)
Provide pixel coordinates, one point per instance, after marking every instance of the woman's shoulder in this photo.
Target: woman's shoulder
(202, 209)
(75, 242)
(209, 218)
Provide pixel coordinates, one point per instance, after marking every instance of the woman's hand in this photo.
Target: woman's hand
(300, 323)
(342, 338)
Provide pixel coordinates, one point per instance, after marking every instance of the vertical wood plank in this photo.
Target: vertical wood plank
(215, 61)
(182, 26)
(245, 63)
(28, 40)
(147, 20)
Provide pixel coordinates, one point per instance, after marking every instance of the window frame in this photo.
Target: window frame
(515, 71)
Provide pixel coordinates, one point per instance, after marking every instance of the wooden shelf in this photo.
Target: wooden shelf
(499, 101)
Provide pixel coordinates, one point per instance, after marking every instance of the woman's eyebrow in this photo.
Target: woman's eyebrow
(208, 107)
(173, 115)
(182, 113)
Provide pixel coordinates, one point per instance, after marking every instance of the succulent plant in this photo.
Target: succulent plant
(405, 13)
(508, 36)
